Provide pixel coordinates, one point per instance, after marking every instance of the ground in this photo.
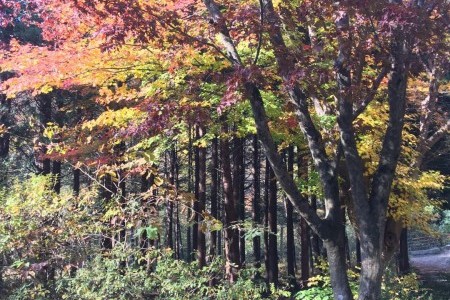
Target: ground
(433, 269)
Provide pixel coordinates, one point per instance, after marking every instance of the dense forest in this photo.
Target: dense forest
(222, 149)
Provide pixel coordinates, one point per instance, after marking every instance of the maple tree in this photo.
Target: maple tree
(333, 76)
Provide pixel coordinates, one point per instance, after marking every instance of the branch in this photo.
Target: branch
(261, 20)
(438, 135)
(299, 100)
(222, 28)
(371, 94)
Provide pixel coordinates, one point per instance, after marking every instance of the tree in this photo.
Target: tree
(334, 55)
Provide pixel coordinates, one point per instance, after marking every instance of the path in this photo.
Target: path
(433, 269)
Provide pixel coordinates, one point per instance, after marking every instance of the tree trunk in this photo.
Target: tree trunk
(290, 244)
(403, 258)
(231, 232)
(256, 200)
(272, 250)
(76, 182)
(238, 189)
(195, 211)
(189, 249)
(214, 193)
(170, 169)
(201, 200)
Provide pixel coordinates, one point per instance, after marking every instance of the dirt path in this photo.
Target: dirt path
(434, 272)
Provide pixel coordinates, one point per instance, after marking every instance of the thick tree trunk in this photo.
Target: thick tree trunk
(256, 200)
(231, 232)
(338, 267)
(304, 252)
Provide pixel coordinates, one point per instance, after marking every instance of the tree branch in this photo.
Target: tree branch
(371, 93)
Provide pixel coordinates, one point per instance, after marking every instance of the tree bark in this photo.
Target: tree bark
(290, 243)
(214, 193)
(238, 190)
(272, 250)
(231, 232)
(256, 200)
(201, 200)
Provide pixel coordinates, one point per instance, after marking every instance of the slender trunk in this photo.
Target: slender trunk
(256, 200)
(214, 193)
(201, 201)
(189, 249)
(403, 258)
(45, 107)
(109, 189)
(56, 172)
(76, 182)
(170, 169)
(195, 227)
(305, 238)
(231, 232)
(178, 242)
(238, 189)
(272, 272)
(266, 220)
(290, 244)
(315, 241)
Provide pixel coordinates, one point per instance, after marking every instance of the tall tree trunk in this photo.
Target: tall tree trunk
(256, 200)
(169, 202)
(238, 189)
(290, 244)
(178, 241)
(189, 249)
(201, 200)
(272, 250)
(214, 193)
(195, 227)
(305, 238)
(231, 232)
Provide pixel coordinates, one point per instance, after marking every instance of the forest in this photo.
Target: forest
(213, 149)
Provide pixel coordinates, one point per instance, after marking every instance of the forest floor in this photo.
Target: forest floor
(433, 270)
